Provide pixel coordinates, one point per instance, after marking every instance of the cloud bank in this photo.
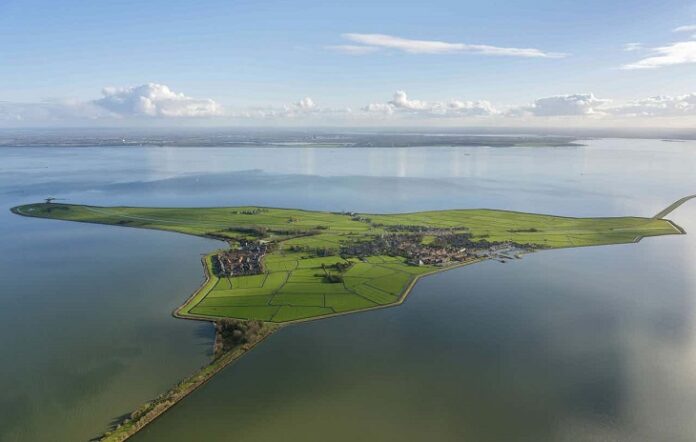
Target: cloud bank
(659, 106)
(157, 102)
(402, 104)
(565, 105)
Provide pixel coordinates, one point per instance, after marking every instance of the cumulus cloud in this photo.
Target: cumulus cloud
(659, 106)
(472, 108)
(683, 52)
(372, 42)
(148, 100)
(155, 100)
(379, 108)
(306, 104)
(401, 103)
(563, 105)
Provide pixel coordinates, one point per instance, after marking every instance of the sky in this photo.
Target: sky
(358, 63)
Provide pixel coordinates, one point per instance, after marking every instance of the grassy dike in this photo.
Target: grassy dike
(151, 410)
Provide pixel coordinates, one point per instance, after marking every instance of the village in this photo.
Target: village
(445, 247)
(419, 245)
(245, 260)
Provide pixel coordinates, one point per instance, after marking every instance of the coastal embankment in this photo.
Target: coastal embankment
(150, 411)
(669, 209)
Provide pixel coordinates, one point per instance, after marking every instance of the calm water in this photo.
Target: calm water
(582, 344)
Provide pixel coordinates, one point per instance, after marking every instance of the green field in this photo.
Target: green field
(294, 286)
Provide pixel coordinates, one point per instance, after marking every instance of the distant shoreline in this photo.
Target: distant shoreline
(279, 140)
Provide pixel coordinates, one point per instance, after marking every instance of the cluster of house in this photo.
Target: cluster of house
(408, 245)
(254, 211)
(245, 260)
(446, 247)
(438, 256)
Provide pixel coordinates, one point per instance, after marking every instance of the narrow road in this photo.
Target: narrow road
(673, 206)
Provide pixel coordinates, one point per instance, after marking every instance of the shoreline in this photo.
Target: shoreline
(401, 300)
(151, 410)
(203, 289)
(205, 373)
(155, 408)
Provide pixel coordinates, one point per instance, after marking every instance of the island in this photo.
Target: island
(282, 266)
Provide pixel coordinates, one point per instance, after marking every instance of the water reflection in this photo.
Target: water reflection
(581, 344)
(585, 344)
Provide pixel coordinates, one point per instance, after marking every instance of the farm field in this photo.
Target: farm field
(297, 283)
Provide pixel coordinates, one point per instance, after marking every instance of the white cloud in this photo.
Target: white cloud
(481, 107)
(677, 53)
(306, 104)
(400, 103)
(564, 105)
(148, 100)
(686, 28)
(383, 41)
(302, 109)
(353, 49)
(159, 101)
(631, 47)
(659, 106)
(587, 105)
(379, 108)
(155, 100)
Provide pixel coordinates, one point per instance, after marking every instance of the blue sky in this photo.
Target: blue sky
(264, 56)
